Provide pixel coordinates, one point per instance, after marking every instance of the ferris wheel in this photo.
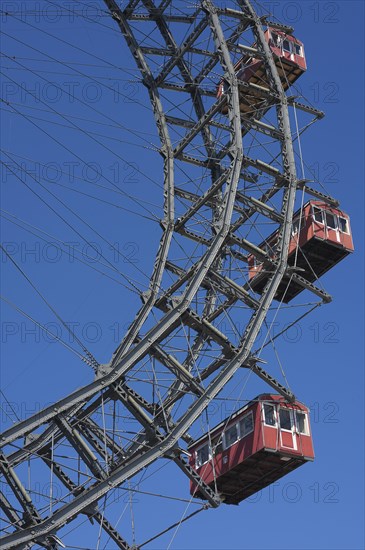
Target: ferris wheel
(243, 235)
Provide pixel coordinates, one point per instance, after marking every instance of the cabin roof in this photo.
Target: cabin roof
(311, 202)
(282, 33)
(267, 397)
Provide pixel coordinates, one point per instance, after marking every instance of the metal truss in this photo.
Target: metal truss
(242, 170)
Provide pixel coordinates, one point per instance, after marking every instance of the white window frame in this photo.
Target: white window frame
(275, 415)
(298, 224)
(300, 49)
(225, 445)
(290, 46)
(306, 426)
(317, 210)
(327, 213)
(198, 464)
(241, 435)
(347, 232)
(295, 226)
(292, 423)
(277, 40)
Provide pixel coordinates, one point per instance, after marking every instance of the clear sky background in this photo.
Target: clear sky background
(320, 506)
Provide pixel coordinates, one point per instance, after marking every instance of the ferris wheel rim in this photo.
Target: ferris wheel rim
(131, 351)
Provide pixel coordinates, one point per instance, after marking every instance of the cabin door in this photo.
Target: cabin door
(287, 429)
(333, 233)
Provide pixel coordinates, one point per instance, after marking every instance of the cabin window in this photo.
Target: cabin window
(285, 419)
(318, 214)
(202, 455)
(286, 46)
(331, 220)
(297, 223)
(343, 223)
(298, 49)
(246, 425)
(230, 436)
(269, 415)
(301, 422)
(275, 39)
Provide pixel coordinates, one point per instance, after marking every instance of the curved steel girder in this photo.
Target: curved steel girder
(169, 321)
(81, 397)
(167, 152)
(40, 531)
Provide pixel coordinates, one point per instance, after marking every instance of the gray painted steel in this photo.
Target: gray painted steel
(162, 433)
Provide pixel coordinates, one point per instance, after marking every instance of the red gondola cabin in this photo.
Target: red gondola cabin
(321, 238)
(257, 445)
(289, 60)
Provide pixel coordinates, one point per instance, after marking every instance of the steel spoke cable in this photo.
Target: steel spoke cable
(62, 145)
(108, 14)
(73, 228)
(174, 525)
(77, 63)
(64, 251)
(154, 219)
(55, 61)
(156, 387)
(158, 495)
(303, 192)
(46, 331)
(203, 298)
(9, 523)
(86, 133)
(73, 97)
(102, 201)
(92, 478)
(59, 73)
(81, 13)
(90, 133)
(269, 328)
(101, 523)
(78, 217)
(294, 139)
(38, 29)
(310, 267)
(37, 12)
(144, 478)
(177, 525)
(271, 341)
(81, 179)
(83, 521)
(298, 132)
(8, 415)
(47, 303)
(190, 351)
(9, 404)
(131, 512)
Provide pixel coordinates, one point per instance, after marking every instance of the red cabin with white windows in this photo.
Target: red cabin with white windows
(289, 60)
(257, 445)
(321, 237)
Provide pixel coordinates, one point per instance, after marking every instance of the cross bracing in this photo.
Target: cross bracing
(229, 180)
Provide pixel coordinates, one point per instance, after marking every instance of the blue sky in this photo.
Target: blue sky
(320, 506)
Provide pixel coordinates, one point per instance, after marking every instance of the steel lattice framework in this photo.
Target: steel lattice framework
(232, 187)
